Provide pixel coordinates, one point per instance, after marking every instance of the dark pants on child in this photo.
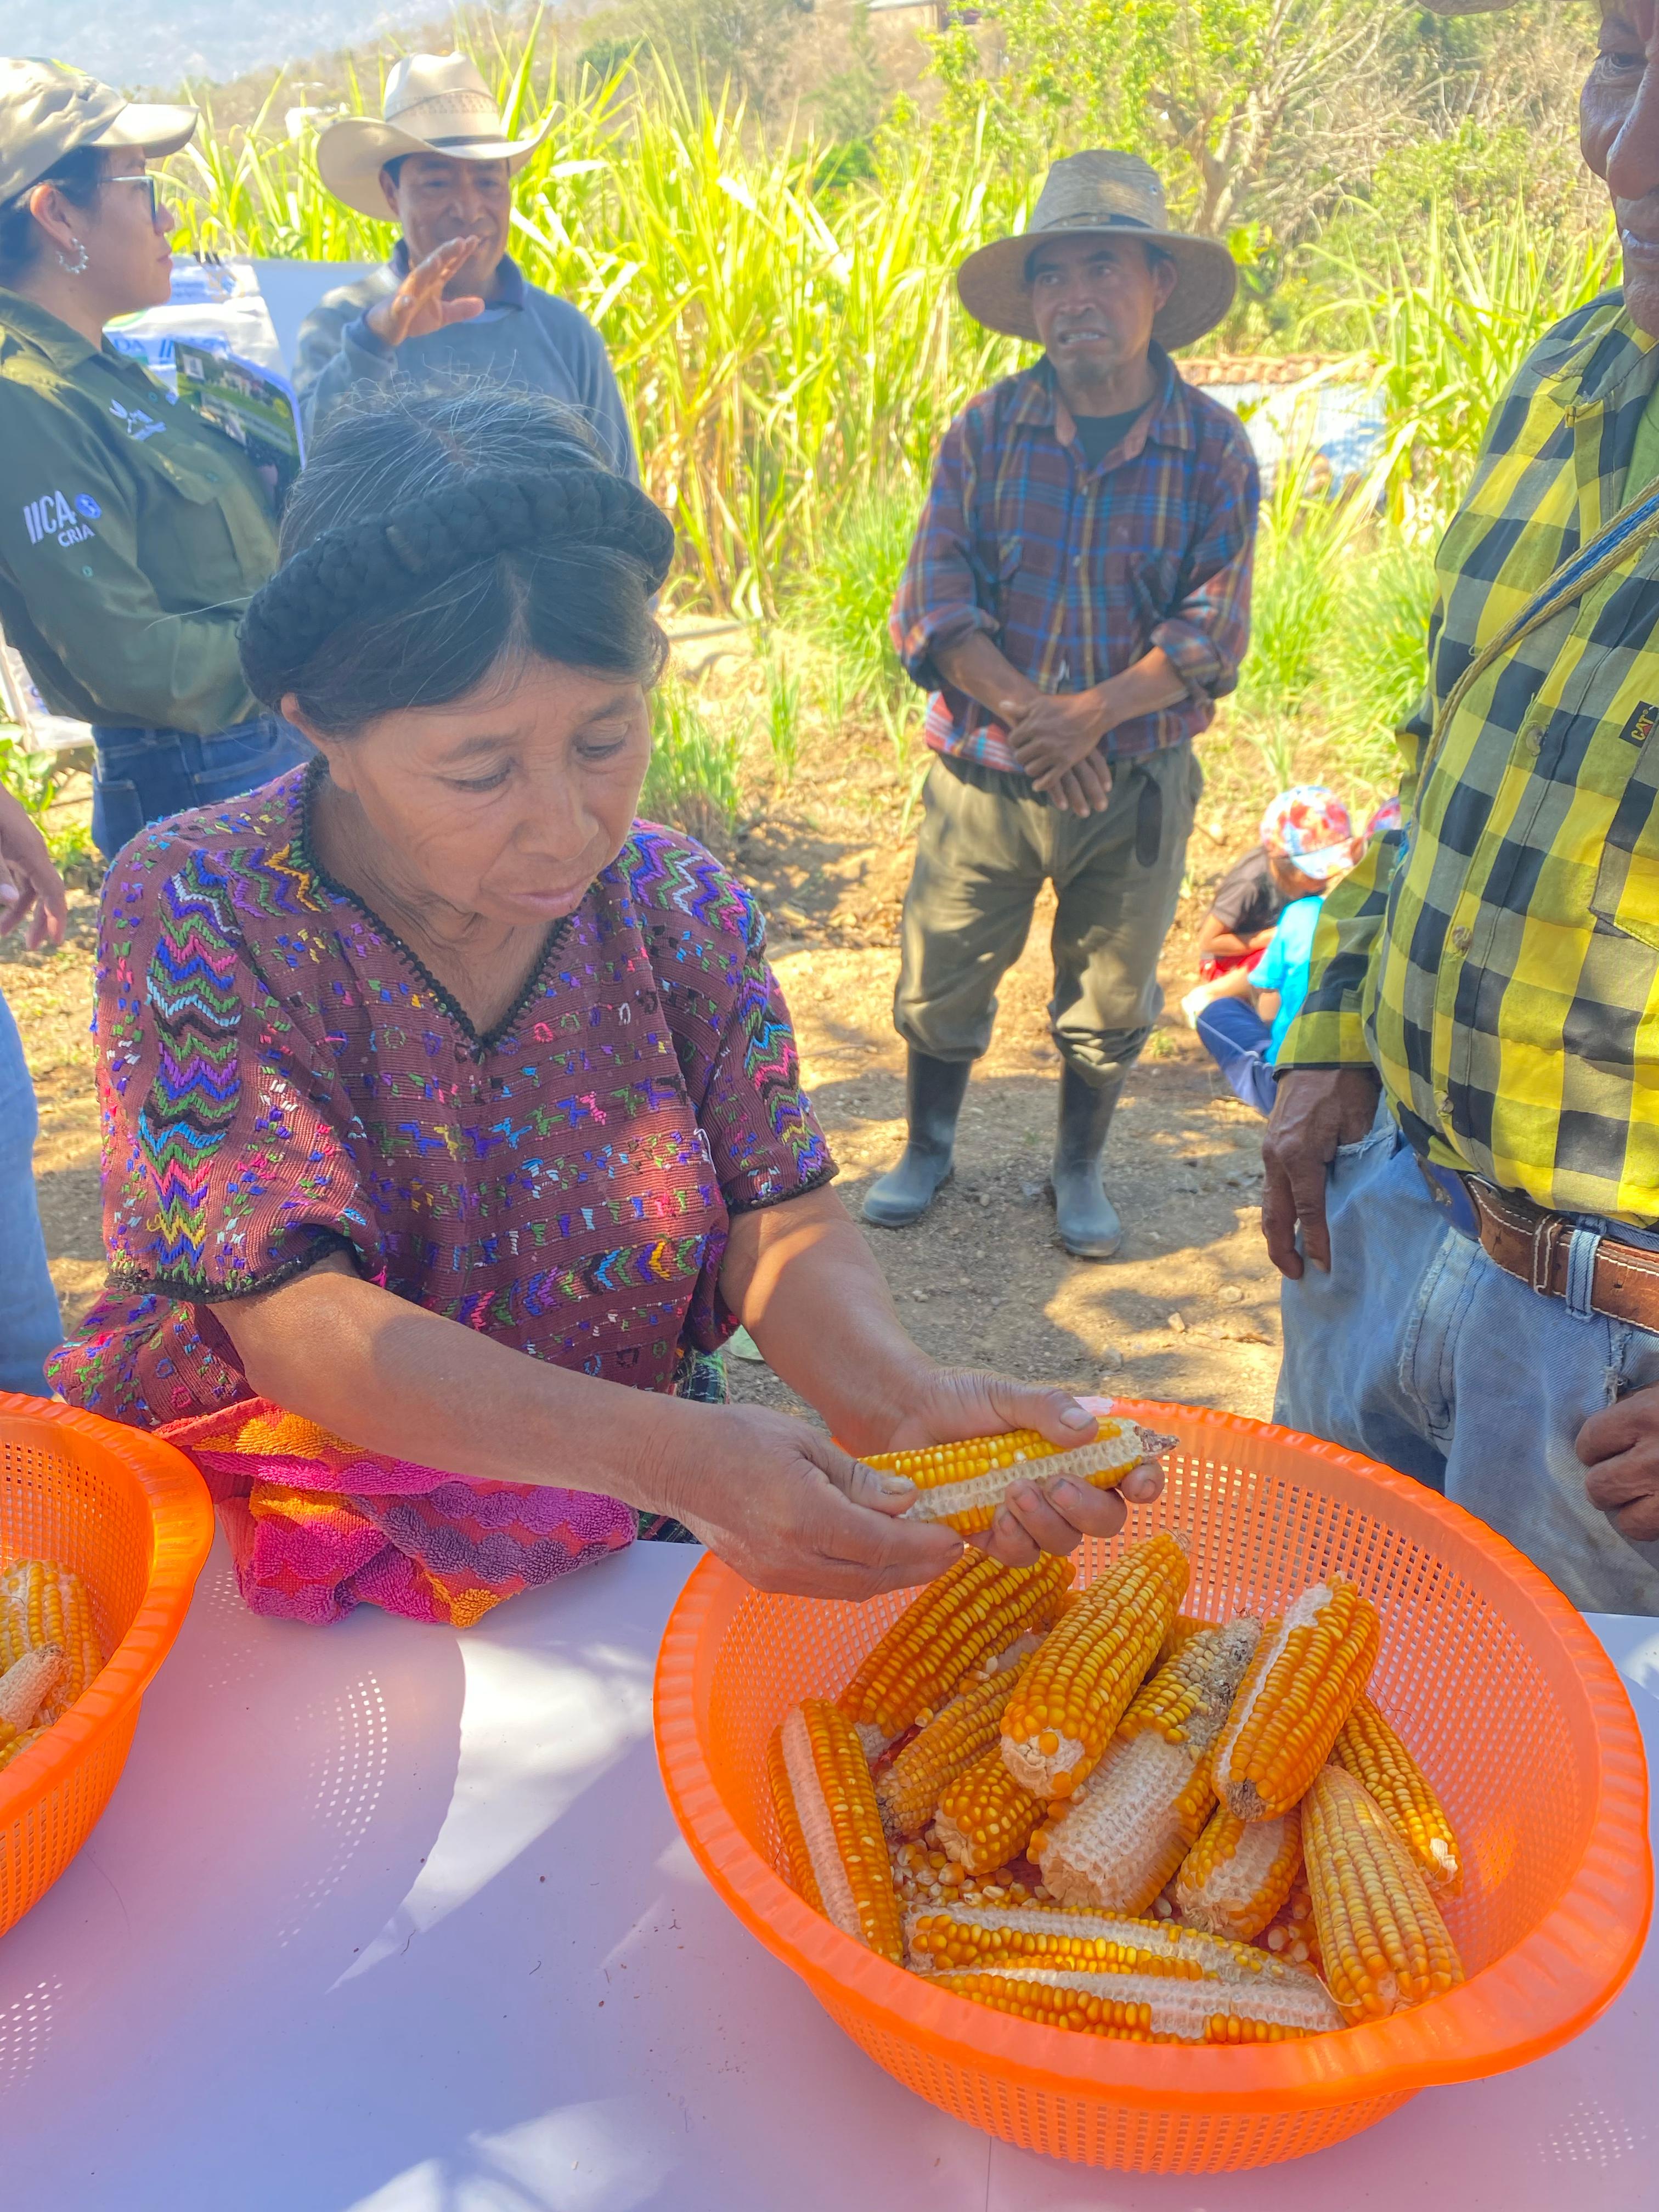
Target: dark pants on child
(1236, 1037)
(142, 776)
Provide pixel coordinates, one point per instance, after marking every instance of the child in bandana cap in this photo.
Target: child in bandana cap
(1242, 1016)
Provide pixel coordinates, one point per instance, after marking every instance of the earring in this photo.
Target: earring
(78, 266)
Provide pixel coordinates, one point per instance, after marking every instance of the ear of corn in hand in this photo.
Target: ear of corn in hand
(1383, 1944)
(963, 1485)
(953, 1939)
(985, 1817)
(910, 1786)
(1119, 1840)
(1069, 1700)
(1307, 1675)
(41, 1602)
(1239, 1872)
(1152, 2007)
(974, 1612)
(1370, 1751)
(826, 1807)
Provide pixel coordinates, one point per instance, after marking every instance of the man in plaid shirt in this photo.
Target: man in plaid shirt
(1483, 1307)
(1076, 599)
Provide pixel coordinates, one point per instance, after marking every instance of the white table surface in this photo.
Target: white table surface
(385, 1917)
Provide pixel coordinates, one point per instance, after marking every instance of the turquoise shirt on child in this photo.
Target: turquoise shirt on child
(1283, 965)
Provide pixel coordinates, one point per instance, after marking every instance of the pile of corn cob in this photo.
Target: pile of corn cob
(1089, 1809)
(49, 1651)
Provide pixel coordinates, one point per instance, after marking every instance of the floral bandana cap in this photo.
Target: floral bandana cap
(1309, 826)
(1387, 817)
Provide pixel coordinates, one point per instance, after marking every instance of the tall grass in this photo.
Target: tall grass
(785, 342)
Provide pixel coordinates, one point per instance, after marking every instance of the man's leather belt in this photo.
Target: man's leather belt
(1622, 1280)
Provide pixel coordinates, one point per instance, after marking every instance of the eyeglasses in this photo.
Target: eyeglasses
(149, 184)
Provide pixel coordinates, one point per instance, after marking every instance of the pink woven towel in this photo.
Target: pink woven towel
(317, 1526)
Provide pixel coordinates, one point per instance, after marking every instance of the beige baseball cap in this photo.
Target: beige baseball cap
(48, 109)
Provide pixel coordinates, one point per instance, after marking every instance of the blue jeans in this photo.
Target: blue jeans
(29, 1324)
(1420, 1351)
(1236, 1037)
(142, 775)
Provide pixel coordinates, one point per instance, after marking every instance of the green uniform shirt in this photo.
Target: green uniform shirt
(131, 536)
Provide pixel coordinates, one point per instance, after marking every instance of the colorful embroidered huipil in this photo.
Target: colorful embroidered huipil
(281, 1079)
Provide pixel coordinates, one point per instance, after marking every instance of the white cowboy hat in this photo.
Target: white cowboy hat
(435, 103)
(1102, 191)
(48, 110)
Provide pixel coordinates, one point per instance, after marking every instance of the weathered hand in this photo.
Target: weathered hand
(1055, 733)
(1620, 1446)
(790, 1510)
(1038, 1516)
(1317, 1109)
(418, 307)
(1085, 789)
(31, 888)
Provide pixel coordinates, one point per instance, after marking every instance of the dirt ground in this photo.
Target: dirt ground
(1187, 1311)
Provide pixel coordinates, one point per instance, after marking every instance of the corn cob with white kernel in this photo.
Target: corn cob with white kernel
(1307, 1675)
(1238, 1873)
(963, 1485)
(1152, 2007)
(41, 1603)
(24, 1688)
(1070, 1699)
(1117, 1842)
(832, 1832)
(1370, 1751)
(955, 1939)
(975, 1612)
(1383, 1944)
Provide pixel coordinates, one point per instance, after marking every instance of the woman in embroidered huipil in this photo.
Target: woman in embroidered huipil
(453, 1116)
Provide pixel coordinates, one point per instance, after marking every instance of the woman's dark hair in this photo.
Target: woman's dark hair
(436, 536)
(77, 176)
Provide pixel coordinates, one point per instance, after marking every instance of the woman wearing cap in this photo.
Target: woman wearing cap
(451, 302)
(480, 1125)
(132, 534)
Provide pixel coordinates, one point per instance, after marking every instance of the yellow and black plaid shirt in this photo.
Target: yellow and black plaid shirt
(1497, 958)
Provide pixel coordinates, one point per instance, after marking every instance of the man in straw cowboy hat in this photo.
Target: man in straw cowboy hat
(452, 302)
(1076, 599)
(1482, 1305)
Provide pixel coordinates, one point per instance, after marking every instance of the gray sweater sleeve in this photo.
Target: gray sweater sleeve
(335, 348)
(602, 397)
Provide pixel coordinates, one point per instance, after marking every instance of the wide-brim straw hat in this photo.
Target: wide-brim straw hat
(435, 103)
(48, 110)
(1104, 193)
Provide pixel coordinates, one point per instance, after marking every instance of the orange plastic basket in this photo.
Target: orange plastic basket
(1515, 1709)
(131, 1515)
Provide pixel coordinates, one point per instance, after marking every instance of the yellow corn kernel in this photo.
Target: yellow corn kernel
(975, 1610)
(910, 1788)
(985, 1817)
(1089, 1665)
(963, 1485)
(1118, 1840)
(1308, 1673)
(1184, 1624)
(41, 1602)
(1383, 1944)
(1370, 1751)
(952, 1938)
(1239, 1872)
(13, 1742)
(1153, 2007)
(826, 1807)
(1291, 1935)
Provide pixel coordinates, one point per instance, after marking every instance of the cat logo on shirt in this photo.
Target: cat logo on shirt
(1642, 724)
(52, 516)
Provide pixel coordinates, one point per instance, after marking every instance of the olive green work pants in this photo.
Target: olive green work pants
(987, 844)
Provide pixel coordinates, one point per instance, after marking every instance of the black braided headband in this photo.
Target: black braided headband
(365, 567)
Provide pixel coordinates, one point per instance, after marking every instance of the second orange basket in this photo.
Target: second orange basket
(1513, 1707)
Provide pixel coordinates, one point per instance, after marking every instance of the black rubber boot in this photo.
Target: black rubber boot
(1085, 1218)
(933, 1091)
